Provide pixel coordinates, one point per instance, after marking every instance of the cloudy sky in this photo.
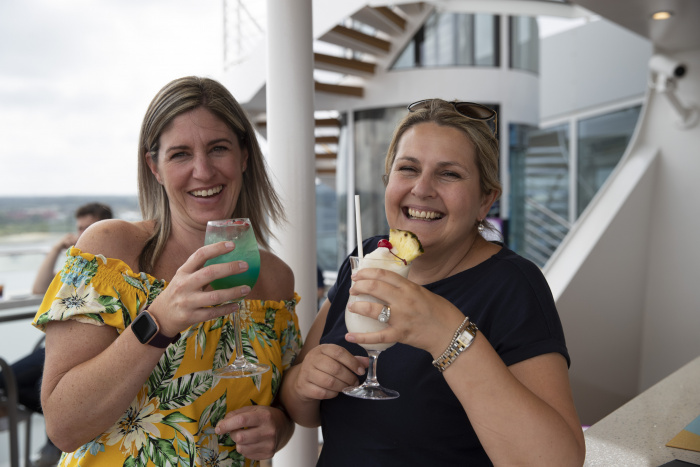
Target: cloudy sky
(76, 77)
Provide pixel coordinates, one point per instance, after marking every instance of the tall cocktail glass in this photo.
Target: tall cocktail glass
(239, 231)
(371, 389)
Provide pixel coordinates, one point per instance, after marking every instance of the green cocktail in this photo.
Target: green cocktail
(239, 231)
(246, 250)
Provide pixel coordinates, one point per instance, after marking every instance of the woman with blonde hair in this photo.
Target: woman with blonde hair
(480, 361)
(115, 393)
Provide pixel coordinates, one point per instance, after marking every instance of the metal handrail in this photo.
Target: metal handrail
(243, 34)
(548, 212)
(544, 231)
(18, 308)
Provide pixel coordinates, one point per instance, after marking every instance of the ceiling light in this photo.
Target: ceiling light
(660, 15)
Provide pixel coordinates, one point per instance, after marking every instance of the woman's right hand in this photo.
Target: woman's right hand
(326, 370)
(189, 299)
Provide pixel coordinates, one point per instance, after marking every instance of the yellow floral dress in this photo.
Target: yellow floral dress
(171, 421)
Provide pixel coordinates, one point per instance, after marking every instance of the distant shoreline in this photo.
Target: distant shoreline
(30, 237)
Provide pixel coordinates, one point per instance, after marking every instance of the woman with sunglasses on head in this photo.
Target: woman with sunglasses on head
(133, 329)
(481, 364)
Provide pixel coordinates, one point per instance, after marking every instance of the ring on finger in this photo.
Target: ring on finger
(385, 314)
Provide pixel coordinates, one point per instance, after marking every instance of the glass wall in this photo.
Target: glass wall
(524, 43)
(373, 130)
(602, 141)
(539, 170)
(453, 39)
(326, 227)
(541, 176)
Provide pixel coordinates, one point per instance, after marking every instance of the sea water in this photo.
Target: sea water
(20, 258)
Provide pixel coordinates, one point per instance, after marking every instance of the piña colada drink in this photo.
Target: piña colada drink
(395, 255)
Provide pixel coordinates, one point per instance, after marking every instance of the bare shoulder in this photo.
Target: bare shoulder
(276, 281)
(116, 238)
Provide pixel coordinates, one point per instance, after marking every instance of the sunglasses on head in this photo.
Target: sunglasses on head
(468, 109)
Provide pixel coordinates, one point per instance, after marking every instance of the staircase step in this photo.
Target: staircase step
(342, 65)
(327, 122)
(411, 8)
(326, 171)
(356, 40)
(327, 140)
(381, 18)
(353, 91)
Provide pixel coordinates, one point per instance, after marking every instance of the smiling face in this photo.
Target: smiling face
(200, 164)
(433, 188)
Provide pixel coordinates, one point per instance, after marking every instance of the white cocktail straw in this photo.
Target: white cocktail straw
(358, 225)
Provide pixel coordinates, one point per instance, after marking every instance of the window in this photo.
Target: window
(453, 39)
(539, 171)
(524, 44)
(602, 141)
(373, 131)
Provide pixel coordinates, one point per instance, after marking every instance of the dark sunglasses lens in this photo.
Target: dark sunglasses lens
(477, 112)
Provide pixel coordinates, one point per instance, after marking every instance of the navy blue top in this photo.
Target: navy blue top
(507, 297)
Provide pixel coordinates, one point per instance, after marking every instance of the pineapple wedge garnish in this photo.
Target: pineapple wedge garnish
(406, 244)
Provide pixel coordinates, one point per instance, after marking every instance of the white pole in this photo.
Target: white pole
(290, 133)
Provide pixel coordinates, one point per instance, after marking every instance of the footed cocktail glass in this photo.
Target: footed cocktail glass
(371, 389)
(239, 231)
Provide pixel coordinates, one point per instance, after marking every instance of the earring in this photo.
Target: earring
(480, 227)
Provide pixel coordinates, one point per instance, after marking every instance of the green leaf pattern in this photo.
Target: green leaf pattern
(171, 421)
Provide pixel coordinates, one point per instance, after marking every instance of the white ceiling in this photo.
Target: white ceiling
(680, 32)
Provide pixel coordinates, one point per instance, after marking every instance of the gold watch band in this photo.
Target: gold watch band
(463, 338)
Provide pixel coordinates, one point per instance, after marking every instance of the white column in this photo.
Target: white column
(290, 133)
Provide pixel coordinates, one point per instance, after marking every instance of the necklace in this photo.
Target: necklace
(449, 273)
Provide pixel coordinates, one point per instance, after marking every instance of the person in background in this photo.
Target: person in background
(85, 216)
(133, 329)
(28, 370)
(481, 363)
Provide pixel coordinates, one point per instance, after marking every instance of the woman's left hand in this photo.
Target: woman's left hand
(257, 430)
(418, 317)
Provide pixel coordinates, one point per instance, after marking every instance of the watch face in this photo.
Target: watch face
(144, 327)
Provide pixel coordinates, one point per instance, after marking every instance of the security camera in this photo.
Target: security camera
(663, 65)
(665, 73)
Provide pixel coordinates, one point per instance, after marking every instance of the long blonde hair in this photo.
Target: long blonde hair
(258, 200)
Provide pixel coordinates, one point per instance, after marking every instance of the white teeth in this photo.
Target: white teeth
(424, 214)
(209, 192)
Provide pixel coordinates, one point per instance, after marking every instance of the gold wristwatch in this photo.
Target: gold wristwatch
(460, 342)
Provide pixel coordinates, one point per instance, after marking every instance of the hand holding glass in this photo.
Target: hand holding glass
(239, 231)
(371, 389)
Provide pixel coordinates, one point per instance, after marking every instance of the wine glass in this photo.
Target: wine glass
(371, 389)
(241, 232)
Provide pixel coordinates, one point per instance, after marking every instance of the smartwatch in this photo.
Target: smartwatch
(146, 329)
